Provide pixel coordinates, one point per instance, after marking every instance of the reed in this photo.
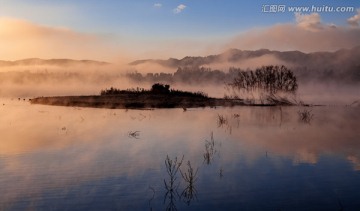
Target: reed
(222, 120)
(190, 177)
(209, 150)
(172, 169)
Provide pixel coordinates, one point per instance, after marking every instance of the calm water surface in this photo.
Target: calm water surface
(63, 158)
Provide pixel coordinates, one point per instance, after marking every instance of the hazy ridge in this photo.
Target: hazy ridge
(51, 62)
(236, 55)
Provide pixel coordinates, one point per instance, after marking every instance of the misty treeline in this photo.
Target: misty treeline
(270, 78)
(187, 75)
(195, 75)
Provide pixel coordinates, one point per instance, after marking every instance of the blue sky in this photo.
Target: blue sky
(141, 16)
(130, 21)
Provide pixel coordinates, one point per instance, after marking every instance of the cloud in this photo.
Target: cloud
(157, 5)
(23, 39)
(179, 8)
(332, 25)
(308, 34)
(354, 20)
(311, 22)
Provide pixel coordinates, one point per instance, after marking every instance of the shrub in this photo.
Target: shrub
(160, 88)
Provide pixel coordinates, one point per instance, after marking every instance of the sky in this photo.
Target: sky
(116, 30)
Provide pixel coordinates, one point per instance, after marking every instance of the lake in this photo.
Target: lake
(239, 158)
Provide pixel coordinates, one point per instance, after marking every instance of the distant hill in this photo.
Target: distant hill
(343, 64)
(51, 62)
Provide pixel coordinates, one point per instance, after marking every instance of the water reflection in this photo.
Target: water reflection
(63, 156)
(190, 177)
(153, 192)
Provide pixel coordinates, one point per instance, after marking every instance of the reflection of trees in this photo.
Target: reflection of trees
(272, 115)
(172, 168)
(190, 177)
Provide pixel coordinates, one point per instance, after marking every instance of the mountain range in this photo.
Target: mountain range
(344, 63)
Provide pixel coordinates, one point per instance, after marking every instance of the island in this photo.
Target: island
(159, 96)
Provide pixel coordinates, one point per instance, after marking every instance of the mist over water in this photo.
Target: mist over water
(33, 81)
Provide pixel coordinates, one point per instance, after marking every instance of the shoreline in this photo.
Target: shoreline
(135, 101)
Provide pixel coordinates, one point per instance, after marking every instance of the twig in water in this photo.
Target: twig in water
(134, 134)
